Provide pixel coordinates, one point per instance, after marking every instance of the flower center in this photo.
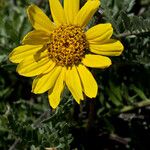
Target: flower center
(68, 45)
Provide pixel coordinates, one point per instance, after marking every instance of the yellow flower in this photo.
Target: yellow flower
(58, 53)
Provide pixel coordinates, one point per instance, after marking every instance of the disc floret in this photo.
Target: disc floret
(68, 45)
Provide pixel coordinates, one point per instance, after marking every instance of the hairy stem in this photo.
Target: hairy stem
(136, 105)
(14, 144)
(128, 33)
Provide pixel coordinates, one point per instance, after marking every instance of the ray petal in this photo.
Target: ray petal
(96, 61)
(99, 33)
(110, 48)
(71, 8)
(58, 12)
(44, 82)
(74, 84)
(36, 37)
(21, 52)
(89, 84)
(86, 13)
(54, 95)
(39, 20)
(31, 67)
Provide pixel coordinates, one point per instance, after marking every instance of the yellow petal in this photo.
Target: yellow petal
(111, 48)
(36, 37)
(30, 67)
(50, 68)
(86, 13)
(88, 82)
(74, 84)
(55, 94)
(71, 8)
(96, 61)
(39, 20)
(44, 82)
(22, 52)
(99, 33)
(58, 12)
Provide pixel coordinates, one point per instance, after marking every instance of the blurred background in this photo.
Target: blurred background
(118, 118)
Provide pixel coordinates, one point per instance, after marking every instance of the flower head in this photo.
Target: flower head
(58, 53)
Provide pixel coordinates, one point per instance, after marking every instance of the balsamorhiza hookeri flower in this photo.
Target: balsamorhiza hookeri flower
(58, 53)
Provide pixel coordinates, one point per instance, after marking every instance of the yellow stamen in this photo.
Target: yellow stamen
(68, 45)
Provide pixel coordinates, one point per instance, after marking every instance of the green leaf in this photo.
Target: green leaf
(125, 20)
(139, 92)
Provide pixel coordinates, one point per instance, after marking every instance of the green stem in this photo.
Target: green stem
(136, 105)
(128, 33)
(13, 147)
(125, 109)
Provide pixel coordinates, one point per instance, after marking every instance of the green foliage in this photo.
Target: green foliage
(46, 131)
(135, 24)
(118, 118)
